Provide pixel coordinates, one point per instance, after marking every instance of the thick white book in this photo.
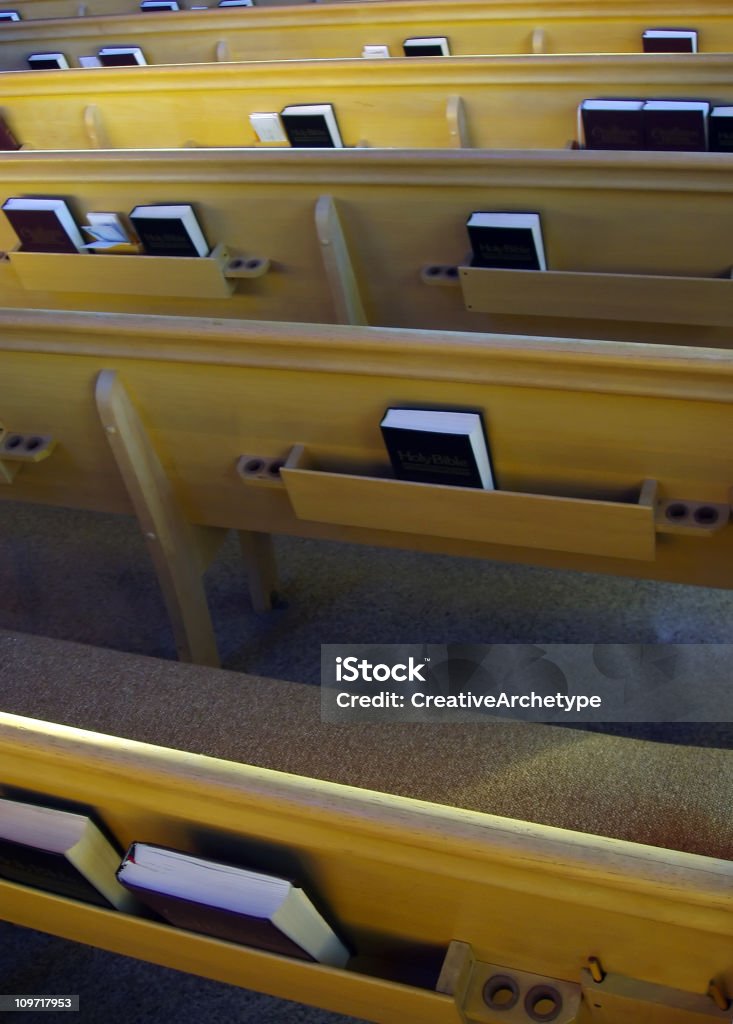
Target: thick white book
(506, 241)
(426, 46)
(169, 230)
(438, 446)
(121, 56)
(61, 852)
(231, 903)
(311, 125)
(47, 61)
(375, 50)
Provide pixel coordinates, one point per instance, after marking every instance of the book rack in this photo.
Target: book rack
(540, 902)
(579, 525)
(162, 435)
(341, 30)
(362, 229)
(17, 450)
(375, 100)
(706, 302)
(209, 277)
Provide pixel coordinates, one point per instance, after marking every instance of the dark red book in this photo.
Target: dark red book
(44, 225)
(676, 125)
(669, 40)
(613, 124)
(720, 130)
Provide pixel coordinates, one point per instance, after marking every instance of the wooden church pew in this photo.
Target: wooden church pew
(485, 102)
(48, 10)
(609, 457)
(404, 879)
(342, 30)
(637, 244)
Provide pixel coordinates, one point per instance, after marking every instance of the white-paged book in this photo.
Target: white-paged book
(47, 61)
(680, 40)
(426, 46)
(121, 56)
(230, 902)
(169, 230)
(438, 446)
(507, 240)
(310, 125)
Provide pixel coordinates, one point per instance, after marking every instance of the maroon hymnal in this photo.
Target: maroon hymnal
(680, 125)
(613, 124)
(669, 40)
(44, 225)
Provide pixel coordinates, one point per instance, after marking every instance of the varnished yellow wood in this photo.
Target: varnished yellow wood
(338, 264)
(613, 213)
(107, 274)
(341, 30)
(641, 298)
(628, 1001)
(394, 873)
(567, 419)
(170, 540)
(610, 529)
(328, 988)
(394, 103)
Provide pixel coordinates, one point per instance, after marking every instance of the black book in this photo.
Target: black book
(669, 40)
(720, 130)
(678, 125)
(159, 5)
(426, 46)
(311, 126)
(47, 61)
(506, 241)
(613, 124)
(169, 230)
(121, 56)
(9, 16)
(432, 446)
(59, 852)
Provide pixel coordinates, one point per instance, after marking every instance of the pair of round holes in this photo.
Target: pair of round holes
(442, 271)
(704, 515)
(542, 1003)
(16, 441)
(255, 466)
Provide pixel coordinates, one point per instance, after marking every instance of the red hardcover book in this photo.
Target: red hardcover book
(44, 225)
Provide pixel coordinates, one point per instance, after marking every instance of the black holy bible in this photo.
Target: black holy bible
(431, 446)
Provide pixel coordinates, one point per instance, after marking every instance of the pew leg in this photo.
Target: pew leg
(259, 557)
(175, 546)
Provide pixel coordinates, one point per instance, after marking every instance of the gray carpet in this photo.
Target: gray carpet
(84, 577)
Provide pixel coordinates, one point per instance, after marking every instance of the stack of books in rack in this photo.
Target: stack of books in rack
(676, 125)
(47, 224)
(71, 855)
